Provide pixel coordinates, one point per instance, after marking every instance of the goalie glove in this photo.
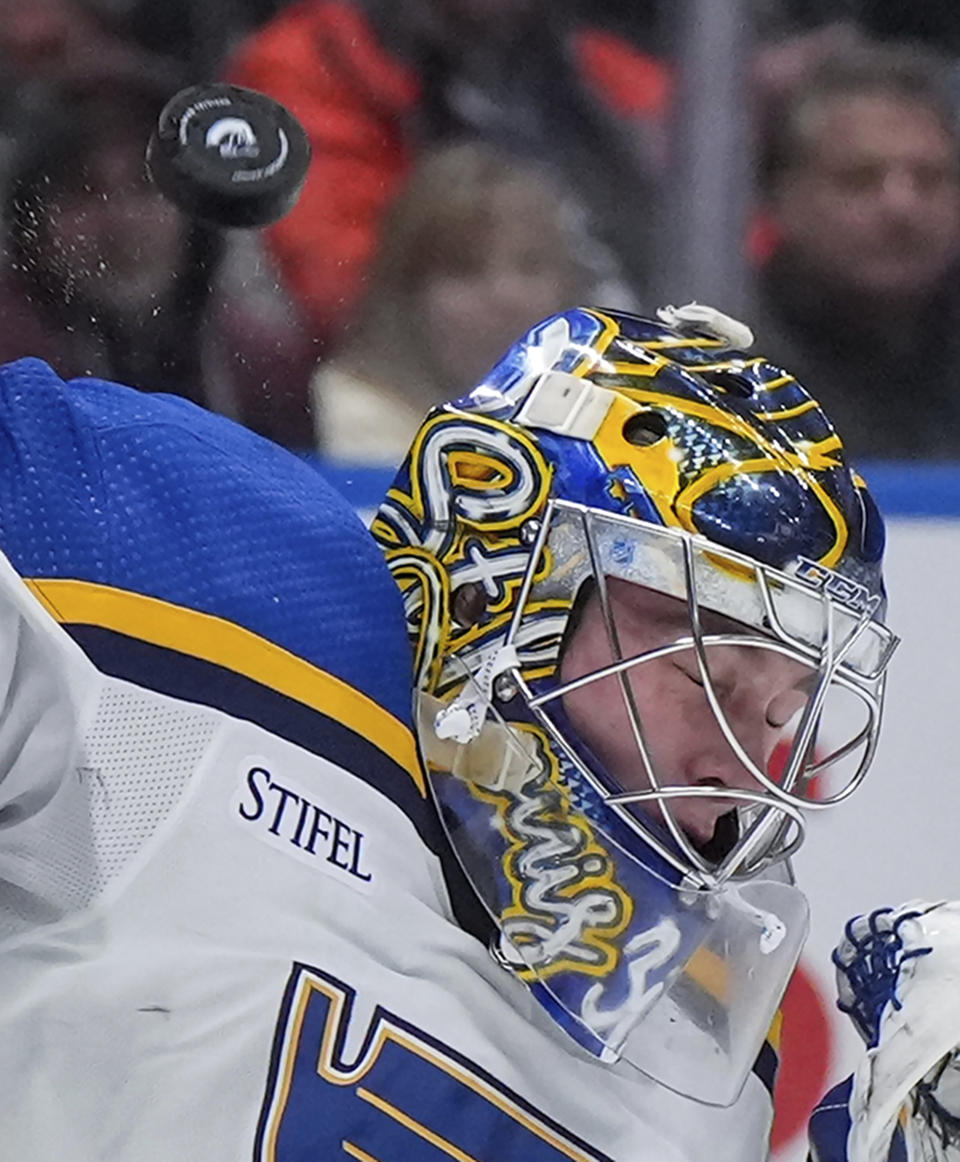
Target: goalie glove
(898, 976)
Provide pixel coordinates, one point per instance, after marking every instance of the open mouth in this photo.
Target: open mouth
(726, 832)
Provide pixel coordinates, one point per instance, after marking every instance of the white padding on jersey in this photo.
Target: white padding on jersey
(141, 750)
(44, 832)
(124, 778)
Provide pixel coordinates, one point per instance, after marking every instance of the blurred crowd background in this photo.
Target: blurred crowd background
(478, 164)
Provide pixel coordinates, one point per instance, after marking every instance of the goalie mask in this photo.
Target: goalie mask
(645, 596)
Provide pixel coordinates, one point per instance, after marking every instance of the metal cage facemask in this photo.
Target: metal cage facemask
(735, 502)
(824, 623)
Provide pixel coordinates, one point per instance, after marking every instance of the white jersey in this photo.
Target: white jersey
(223, 934)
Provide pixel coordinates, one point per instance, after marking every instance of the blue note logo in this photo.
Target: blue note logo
(402, 1097)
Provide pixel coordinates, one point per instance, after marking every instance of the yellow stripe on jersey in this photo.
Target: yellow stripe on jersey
(775, 1033)
(223, 643)
(356, 1152)
(416, 1127)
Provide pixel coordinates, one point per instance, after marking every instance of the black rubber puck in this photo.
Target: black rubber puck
(229, 156)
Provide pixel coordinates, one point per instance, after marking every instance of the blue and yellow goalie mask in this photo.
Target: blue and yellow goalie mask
(605, 455)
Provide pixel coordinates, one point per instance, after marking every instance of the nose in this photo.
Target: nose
(715, 768)
(716, 763)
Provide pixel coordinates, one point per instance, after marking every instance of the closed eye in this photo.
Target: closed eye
(693, 677)
(788, 705)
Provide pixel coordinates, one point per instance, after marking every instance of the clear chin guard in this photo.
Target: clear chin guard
(700, 989)
(635, 962)
(819, 620)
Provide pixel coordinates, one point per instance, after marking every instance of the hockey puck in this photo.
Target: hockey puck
(228, 156)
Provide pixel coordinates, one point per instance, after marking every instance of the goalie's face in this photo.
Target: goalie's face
(760, 692)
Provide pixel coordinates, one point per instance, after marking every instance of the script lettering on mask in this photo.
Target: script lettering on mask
(645, 953)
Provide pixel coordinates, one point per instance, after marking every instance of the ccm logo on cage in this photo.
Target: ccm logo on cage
(281, 815)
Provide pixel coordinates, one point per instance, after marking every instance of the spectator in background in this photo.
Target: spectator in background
(96, 251)
(42, 36)
(861, 297)
(46, 40)
(45, 43)
(476, 248)
(376, 82)
(197, 33)
(104, 277)
(934, 22)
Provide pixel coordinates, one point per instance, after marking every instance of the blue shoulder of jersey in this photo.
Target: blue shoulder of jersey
(152, 495)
